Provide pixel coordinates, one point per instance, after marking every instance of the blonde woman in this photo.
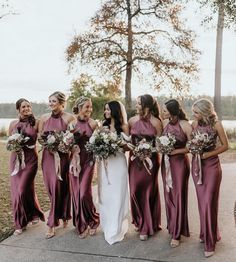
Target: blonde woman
(57, 188)
(208, 190)
(85, 217)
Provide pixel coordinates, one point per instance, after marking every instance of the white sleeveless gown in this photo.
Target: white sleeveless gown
(113, 197)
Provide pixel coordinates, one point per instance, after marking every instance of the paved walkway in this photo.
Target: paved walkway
(66, 245)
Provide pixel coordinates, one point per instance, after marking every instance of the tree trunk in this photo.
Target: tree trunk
(218, 61)
(128, 76)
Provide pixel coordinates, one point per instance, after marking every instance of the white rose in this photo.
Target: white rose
(15, 136)
(113, 136)
(92, 139)
(51, 139)
(146, 146)
(164, 140)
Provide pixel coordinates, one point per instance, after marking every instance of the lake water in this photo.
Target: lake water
(228, 124)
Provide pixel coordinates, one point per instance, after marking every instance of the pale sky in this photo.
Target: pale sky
(33, 44)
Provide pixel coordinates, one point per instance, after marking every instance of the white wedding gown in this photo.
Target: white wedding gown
(113, 197)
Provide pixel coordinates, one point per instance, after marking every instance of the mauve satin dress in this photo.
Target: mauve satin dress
(24, 199)
(84, 211)
(58, 191)
(176, 200)
(144, 189)
(208, 194)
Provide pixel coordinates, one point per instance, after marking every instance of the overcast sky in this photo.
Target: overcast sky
(33, 44)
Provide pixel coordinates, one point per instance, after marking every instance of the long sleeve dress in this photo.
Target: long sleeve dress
(144, 188)
(58, 190)
(25, 204)
(176, 198)
(84, 211)
(208, 192)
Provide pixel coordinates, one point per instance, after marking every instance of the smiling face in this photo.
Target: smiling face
(54, 104)
(86, 109)
(165, 113)
(107, 111)
(25, 109)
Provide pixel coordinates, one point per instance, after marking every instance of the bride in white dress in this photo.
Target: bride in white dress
(113, 181)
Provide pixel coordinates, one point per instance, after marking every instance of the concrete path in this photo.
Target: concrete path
(66, 245)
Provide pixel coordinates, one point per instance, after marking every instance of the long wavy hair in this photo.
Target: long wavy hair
(175, 109)
(206, 109)
(116, 114)
(31, 117)
(148, 101)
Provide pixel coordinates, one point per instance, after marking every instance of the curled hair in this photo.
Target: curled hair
(116, 114)
(175, 109)
(79, 104)
(148, 101)
(60, 96)
(206, 109)
(31, 118)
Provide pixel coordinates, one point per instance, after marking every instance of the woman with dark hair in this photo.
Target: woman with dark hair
(144, 189)
(176, 191)
(57, 185)
(206, 122)
(85, 217)
(24, 200)
(113, 179)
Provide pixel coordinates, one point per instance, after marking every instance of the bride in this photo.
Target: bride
(113, 179)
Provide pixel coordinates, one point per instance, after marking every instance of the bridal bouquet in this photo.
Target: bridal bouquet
(15, 143)
(102, 144)
(199, 142)
(143, 151)
(165, 143)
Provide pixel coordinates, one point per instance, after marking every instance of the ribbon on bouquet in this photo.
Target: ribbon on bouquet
(168, 175)
(197, 168)
(20, 162)
(57, 164)
(75, 166)
(146, 159)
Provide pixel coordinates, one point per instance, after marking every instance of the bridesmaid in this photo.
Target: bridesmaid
(58, 190)
(24, 200)
(113, 179)
(144, 189)
(208, 192)
(176, 198)
(84, 212)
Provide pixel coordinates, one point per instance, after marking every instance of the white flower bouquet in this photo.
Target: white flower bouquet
(199, 142)
(57, 141)
(165, 143)
(15, 143)
(102, 144)
(143, 151)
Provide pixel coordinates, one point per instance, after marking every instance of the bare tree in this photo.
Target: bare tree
(146, 38)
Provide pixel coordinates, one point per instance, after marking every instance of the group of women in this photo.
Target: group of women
(119, 181)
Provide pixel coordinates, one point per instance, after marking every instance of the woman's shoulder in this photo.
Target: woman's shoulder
(133, 120)
(93, 123)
